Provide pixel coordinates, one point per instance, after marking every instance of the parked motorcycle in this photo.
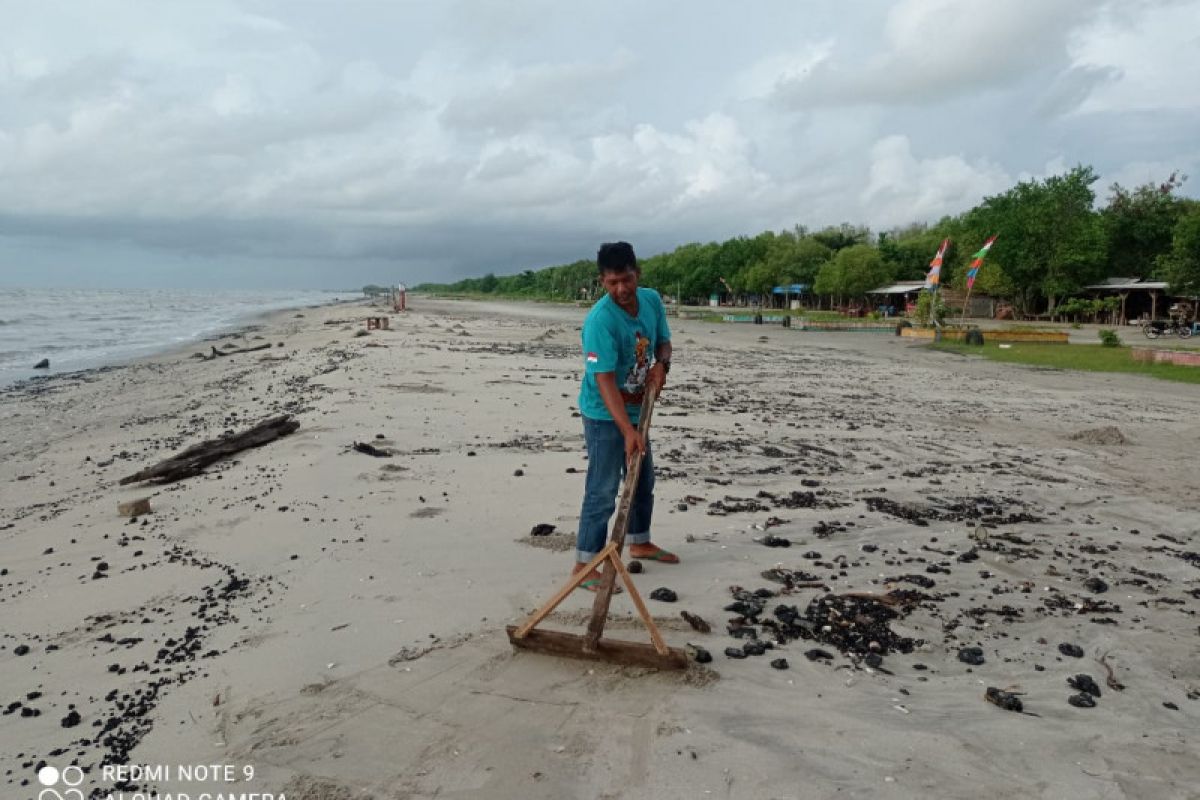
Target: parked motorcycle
(1156, 328)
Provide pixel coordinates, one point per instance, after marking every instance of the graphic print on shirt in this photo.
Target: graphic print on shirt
(635, 380)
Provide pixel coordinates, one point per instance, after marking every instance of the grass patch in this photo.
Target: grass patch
(1084, 357)
(808, 315)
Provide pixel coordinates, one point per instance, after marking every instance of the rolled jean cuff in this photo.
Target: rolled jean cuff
(638, 538)
(584, 557)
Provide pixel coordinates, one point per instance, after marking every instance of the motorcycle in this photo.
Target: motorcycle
(1156, 328)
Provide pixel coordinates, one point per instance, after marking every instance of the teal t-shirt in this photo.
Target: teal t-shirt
(614, 341)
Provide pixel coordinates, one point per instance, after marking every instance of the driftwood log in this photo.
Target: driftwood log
(219, 354)
(194, 459)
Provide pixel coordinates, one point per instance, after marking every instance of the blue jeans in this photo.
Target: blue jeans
(606, 468)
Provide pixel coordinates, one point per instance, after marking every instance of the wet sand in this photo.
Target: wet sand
(335, 622)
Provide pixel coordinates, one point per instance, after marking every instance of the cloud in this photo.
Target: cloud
(903, 188)
(452, 139)
(520, 98)
(933, 50)
(1150, 55)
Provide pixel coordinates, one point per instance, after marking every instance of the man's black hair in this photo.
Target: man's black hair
(616, 257)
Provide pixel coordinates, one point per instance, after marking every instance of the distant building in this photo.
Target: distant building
(900, 296)
(1140, 299)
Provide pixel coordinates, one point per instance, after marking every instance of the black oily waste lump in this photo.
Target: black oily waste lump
(780, 663)
(971, 655)
(745, 608)
(789, 577)
(853, 624)
(1095, 585)
(1082, 700)
(884, 505)
(734, 652)
(919, 580)
(756, 648)
(702, 656)
(1084, 683)
(1072, 650)
(1006, 700)
(663, 595)
(817, 654)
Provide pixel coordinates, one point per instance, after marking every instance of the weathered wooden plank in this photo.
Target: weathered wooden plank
(194, 459)
(571, 645)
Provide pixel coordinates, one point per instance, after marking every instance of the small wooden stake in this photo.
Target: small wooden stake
(134, 508)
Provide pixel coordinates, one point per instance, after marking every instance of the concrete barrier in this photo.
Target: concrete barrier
(801, 324)
(958, 335)
(1152, 355)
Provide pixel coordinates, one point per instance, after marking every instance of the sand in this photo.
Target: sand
(333, 623)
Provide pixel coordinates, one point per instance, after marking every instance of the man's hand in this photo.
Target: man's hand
(634, 443)
(657, 377)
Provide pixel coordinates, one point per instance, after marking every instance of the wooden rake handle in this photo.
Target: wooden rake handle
(608, 576)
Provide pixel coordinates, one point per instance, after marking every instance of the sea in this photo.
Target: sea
(80, 329)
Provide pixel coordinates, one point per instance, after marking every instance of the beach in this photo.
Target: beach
(330, 624)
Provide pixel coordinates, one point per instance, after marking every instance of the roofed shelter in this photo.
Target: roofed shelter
(787, 290)
(899, 294)
(1139, 298)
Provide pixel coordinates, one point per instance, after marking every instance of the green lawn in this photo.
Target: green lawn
(1087, 357)
(716, 314)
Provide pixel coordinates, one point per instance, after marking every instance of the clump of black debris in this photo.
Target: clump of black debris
(857, 624)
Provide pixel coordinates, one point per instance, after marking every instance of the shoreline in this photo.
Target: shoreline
(250, 323)
(335, 621)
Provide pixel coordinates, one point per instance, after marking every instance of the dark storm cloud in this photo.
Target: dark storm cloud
(273, 141)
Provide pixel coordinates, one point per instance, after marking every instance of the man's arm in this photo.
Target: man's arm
(606, 382)
(658, 373)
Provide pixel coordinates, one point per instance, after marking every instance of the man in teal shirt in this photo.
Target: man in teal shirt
(626, 348)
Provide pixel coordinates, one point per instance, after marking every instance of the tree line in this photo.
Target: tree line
(1053, 240)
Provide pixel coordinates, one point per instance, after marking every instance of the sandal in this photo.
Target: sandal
(660, 555)
(593, 585)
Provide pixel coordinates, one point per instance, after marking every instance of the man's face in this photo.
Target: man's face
(621, 286)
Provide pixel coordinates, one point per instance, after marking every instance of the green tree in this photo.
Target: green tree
(695, 265)
(829, 280)
(796, 259)
(861, 268)
(909, 252)
(760, 278)
(1180, 267)
(1140, 224)
(839, 237)
(1051, 242)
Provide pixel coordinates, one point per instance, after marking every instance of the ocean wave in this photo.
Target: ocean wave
(80, 328)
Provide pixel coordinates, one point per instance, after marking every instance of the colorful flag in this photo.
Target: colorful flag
(978, 262)
(935, 267)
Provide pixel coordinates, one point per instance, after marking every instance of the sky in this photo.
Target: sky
(304, 144)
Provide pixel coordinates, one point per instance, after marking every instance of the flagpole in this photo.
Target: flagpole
(972, 273)
(933, 281)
